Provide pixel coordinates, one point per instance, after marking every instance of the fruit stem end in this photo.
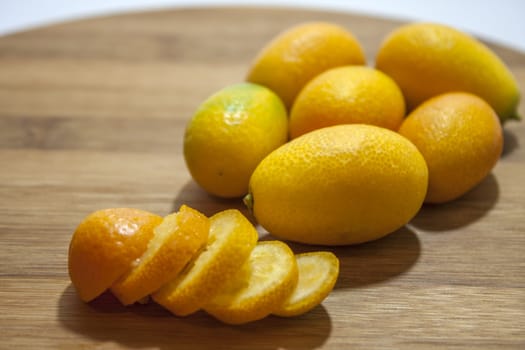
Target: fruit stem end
(248, 201)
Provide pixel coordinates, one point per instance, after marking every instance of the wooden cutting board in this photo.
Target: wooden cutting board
(91, 116)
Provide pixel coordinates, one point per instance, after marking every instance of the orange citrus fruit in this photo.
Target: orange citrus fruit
(428, 59)
(105, 245)
(338, 185)
(230, 242)
(186, 261)
(347, 95)
(176, 240)
(230, 133)
(300, 53)
(263, 283)
(318, 272)
(461, 139)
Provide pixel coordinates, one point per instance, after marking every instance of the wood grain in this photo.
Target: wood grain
(91, 116)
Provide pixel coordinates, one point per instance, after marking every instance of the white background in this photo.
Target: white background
(501, 21)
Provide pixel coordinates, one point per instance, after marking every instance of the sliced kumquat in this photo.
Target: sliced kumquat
(231, 240)
(264, 282)
(176, 240)
(318, 272)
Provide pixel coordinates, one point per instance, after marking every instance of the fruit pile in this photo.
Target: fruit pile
(367, 146)
(187, 262)
(324, 150)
